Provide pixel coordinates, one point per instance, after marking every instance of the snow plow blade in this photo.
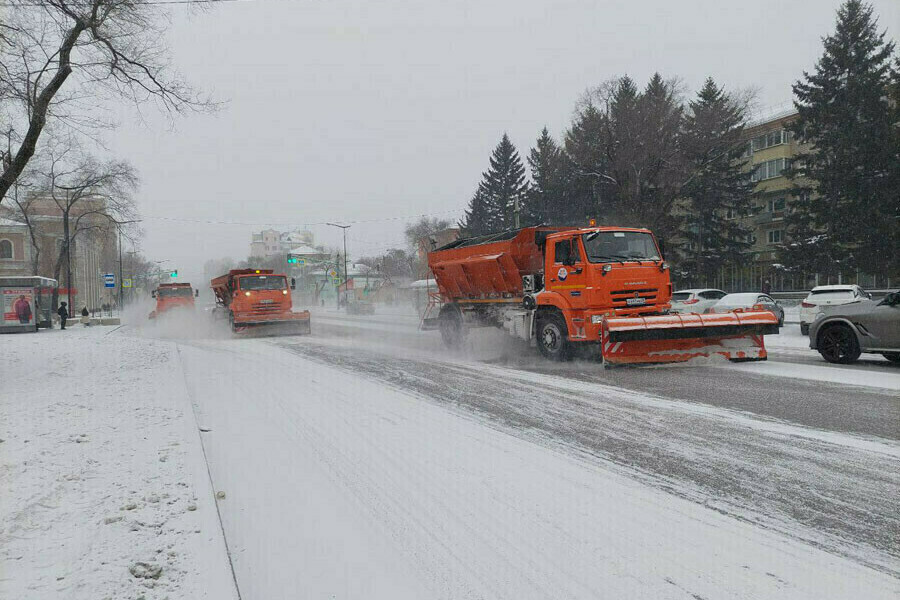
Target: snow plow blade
(681, 337)
(295, 324)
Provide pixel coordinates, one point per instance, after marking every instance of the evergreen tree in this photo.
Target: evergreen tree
(500, 194)
(547, 195)
(663, 166)
(847, 197)
(586, 162)
(712, 144)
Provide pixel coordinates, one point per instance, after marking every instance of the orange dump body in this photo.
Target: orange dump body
(515, 278)
(258, 300)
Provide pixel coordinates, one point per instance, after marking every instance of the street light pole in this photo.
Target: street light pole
(119, 232)
(344, 228)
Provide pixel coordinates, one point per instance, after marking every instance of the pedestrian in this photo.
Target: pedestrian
(767, 287)
(84, 311)
(22, 309)
(63, 313)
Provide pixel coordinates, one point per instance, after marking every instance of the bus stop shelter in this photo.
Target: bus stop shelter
(25, 303)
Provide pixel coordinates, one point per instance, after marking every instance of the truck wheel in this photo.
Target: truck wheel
(804, 328)
(838, 344)
(450, 323)
(552, 338)
(231, 321)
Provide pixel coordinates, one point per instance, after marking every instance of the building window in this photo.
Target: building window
(772, 138)
(6, 249)
(776, 205)
(774, 236)
(730, 213)
(769, 169)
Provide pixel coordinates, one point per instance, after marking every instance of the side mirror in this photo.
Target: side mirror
(196, 293)
(153, 294)
(293, 283)
(662, 247)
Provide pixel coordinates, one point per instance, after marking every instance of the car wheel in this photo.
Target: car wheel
(838, 344)
(894, 357)
(804, 329)
(552, 338)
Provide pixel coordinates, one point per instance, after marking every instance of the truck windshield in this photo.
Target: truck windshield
(263, 282)
(612, 246)
(180, 292)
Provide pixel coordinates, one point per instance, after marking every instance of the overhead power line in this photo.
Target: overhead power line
(286, 223)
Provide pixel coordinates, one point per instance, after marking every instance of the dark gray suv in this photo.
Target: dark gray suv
(841, 333)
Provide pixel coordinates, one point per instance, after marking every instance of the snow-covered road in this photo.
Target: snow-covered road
(454, 462)
(344, 482)
(364, 461)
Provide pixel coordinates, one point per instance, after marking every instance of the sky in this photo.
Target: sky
(371, 113)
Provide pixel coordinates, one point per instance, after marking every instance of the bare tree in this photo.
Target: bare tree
(89, 195)
(59, 57)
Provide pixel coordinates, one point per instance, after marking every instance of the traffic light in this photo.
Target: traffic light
(173, 274)
(291, 259)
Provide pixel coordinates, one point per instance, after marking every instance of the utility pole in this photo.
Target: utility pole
(344, 228)
(119, 232)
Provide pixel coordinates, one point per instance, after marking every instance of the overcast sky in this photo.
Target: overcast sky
(363, 110)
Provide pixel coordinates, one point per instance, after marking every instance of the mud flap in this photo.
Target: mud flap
(677, 338)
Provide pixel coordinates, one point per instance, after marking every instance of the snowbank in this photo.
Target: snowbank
(105, 492)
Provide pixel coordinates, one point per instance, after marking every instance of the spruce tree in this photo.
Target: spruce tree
(547, 196)
(589, 186)
(662, 170)
(847, 198)
(717, 184)
(500, 194)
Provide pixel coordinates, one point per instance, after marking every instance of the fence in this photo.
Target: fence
(751, 279)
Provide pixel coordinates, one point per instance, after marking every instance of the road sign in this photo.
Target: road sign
(126, 283)
(109, 280)
(332, 273)
(300, 261)
(336, 280)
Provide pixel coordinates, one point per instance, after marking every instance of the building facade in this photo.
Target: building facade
(770, 148)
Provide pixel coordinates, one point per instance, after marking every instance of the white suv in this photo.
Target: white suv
(827, 295)
(695, 301)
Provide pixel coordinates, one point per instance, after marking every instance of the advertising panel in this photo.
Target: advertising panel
(18, 307)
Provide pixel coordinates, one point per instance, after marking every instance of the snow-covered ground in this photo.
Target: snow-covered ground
(363, 461)
(104, 492)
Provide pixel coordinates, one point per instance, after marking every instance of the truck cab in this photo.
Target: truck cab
(603, 271)
(260, 300)
(173, 295)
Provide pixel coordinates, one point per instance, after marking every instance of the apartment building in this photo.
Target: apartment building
(770, 148)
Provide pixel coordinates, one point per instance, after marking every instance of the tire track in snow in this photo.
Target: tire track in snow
(839, 498)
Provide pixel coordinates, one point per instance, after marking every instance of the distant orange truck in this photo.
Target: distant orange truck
(173, 295)
(258, 300)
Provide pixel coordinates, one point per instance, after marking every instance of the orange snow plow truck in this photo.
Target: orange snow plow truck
(257, 300)
(173, 295)
(568, 288)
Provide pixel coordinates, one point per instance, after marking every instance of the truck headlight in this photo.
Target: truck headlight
(284, 292)
(596, 319)
(246, 293)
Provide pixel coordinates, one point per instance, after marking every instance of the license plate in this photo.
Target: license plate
(266, 301)
(635, 301)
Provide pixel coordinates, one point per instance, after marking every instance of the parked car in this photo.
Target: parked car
(695, 301)
(749, 301)
(827, 295)
(841, 333)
